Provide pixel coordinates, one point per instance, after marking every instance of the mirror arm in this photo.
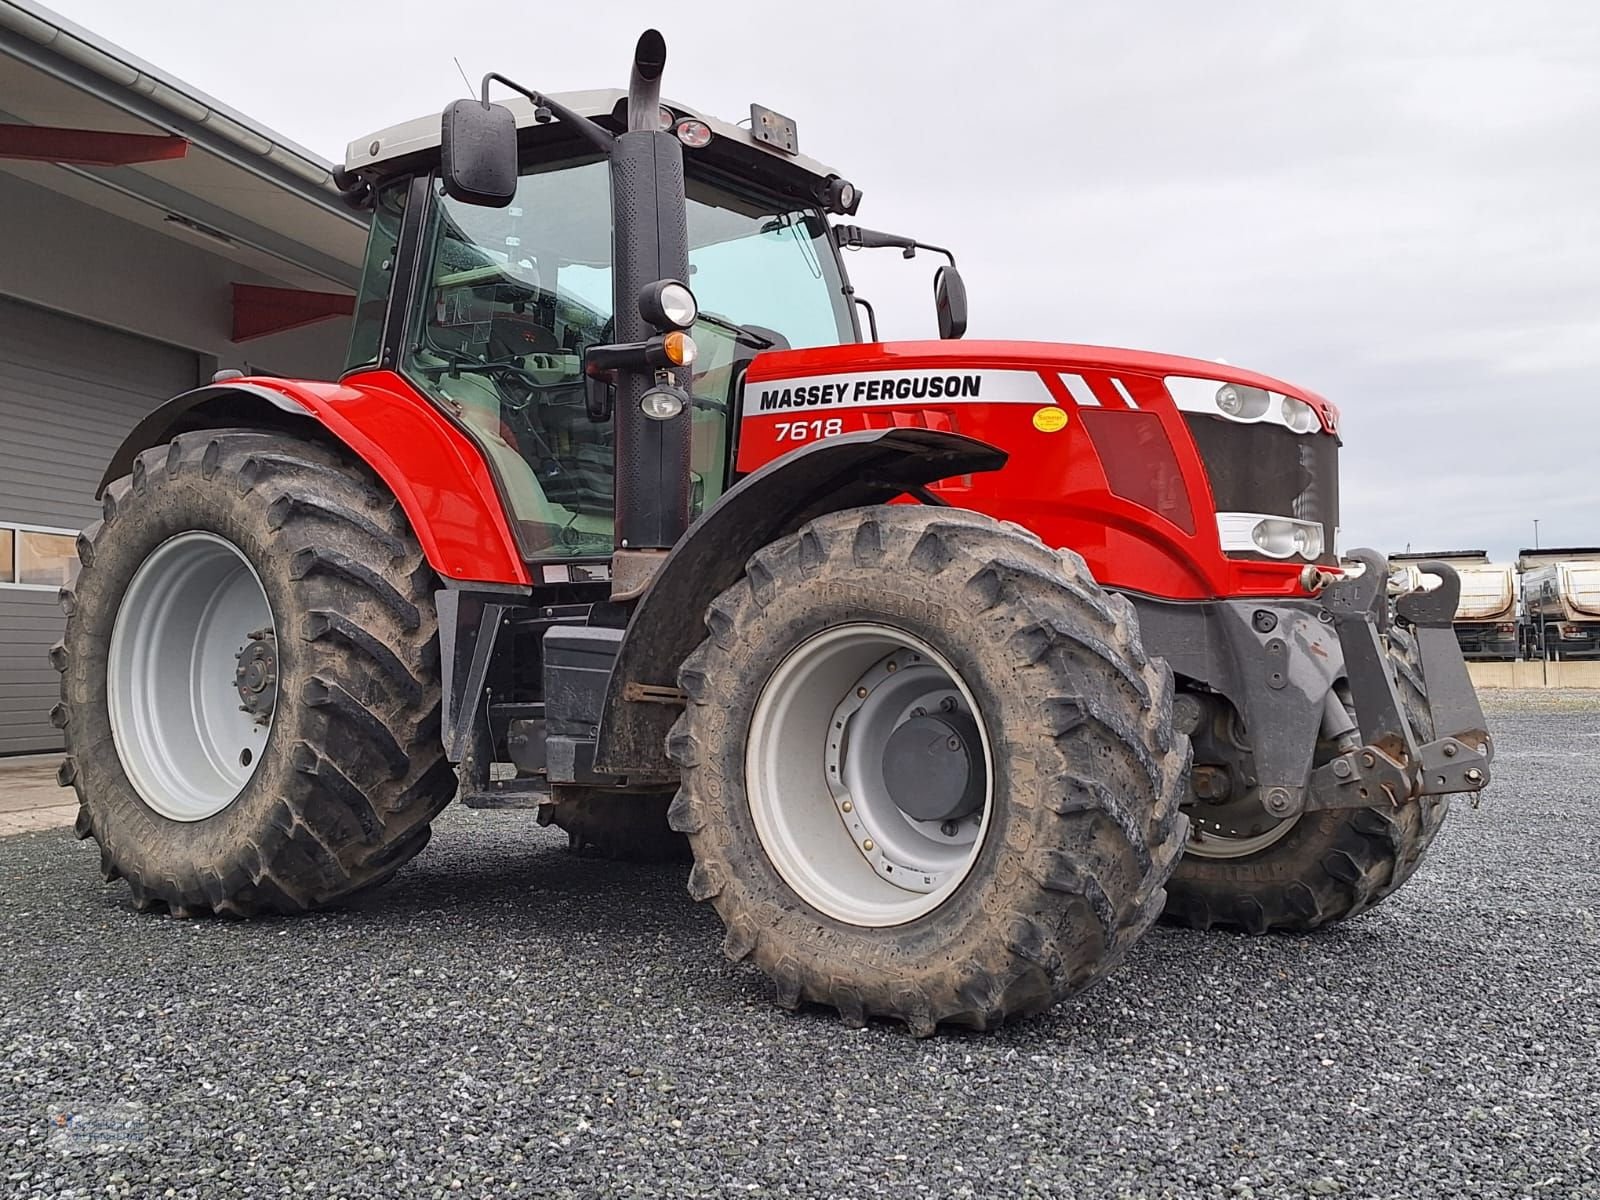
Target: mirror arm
(872, 317)
(580, 125)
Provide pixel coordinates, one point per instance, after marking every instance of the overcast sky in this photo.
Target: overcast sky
(1396, 205)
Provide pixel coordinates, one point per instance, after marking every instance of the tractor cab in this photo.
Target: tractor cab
(490, 310)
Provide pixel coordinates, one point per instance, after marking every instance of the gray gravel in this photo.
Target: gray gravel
(506, 1019)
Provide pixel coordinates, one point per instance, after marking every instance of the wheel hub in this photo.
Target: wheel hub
(256, 678)
(929, 768)
(907, 796)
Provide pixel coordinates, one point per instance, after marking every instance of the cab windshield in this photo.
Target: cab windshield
(515, 295)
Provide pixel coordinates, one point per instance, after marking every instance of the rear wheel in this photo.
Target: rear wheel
(250, 689)
(1314, 869)
(928, 771)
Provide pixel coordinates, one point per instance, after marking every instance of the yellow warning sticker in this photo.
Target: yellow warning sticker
(1050, 420)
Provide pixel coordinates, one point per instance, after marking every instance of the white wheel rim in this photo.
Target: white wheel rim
(1216, 834)
(814, 777)
(185, 740)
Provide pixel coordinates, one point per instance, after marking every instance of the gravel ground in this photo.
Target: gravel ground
(506, 1019)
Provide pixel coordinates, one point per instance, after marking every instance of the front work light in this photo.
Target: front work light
(668, 304)
(661, 403)
(693, 134)
(840, 196)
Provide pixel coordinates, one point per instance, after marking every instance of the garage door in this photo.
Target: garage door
(69, 392)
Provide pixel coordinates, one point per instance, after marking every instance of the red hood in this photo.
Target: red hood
(1033, 356)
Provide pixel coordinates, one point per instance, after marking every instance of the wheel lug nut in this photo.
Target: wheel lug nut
(861, 693)
(954, 743)
(867, 845)
(847, 807)
(891, 666)
(949, 829)
(919, 711)
(948, 704)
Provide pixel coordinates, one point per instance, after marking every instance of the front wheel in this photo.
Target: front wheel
(928, 772)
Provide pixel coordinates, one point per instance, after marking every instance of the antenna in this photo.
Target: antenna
(464, 78)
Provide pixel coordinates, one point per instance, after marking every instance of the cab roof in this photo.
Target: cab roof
(410, 140)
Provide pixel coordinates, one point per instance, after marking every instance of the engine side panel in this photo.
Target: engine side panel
(1101, 459)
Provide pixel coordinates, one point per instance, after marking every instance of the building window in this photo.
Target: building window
(36, 558)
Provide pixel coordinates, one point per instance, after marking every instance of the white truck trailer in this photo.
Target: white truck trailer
(1560, 602)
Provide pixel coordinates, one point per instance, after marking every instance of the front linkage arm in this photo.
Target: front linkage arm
(1391, 767)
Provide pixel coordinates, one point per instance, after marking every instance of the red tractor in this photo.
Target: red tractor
(955, 664)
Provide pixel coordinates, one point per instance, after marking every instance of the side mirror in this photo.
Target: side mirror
(478, 153)
(950, 302)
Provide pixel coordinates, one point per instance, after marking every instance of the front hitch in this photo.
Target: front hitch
(1391, 767)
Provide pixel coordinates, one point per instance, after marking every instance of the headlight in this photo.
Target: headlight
(668, 304)
(1242, 402)
(1279, 538)
(1299, 416)
(1307, 540)
(1275, 537)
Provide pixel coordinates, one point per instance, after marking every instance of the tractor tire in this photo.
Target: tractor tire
(295, 757)
(619, 826)
(1332, 865)
(821, 661)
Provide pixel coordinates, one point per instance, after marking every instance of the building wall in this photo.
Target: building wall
(69, 256)
(101, 319)
(69, 392)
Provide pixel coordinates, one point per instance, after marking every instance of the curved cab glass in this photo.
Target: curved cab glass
(514, 297)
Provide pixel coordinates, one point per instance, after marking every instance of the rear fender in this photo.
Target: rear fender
(434, 470)
(847, 471)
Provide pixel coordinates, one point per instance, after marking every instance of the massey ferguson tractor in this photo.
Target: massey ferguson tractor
(955, 665)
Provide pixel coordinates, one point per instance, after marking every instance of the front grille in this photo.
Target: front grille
(1264, 468)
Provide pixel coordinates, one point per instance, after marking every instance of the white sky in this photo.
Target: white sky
(1392, 204)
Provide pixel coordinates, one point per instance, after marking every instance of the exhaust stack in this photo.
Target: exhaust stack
(644, 85)
(650, 243)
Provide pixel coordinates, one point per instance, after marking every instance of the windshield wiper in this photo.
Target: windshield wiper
(740, 333)
(854, 237)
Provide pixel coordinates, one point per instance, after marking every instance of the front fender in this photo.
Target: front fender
(847, 471)
(436, 473)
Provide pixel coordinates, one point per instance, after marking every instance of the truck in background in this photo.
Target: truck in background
(1486, 616)
(1560, 602)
